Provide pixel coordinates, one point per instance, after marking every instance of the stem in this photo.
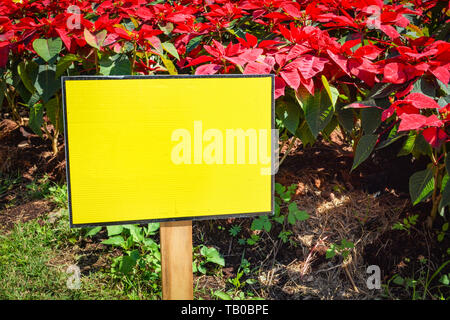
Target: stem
(287, 150)
(134, 58)
(435, 198)
(55, 144)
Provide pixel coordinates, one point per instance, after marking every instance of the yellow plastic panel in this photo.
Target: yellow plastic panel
(156, 148)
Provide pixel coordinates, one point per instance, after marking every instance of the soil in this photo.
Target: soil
(360, 206)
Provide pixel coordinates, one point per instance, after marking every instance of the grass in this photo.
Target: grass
(33, 261)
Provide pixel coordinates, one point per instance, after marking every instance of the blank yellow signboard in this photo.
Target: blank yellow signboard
(156, 148)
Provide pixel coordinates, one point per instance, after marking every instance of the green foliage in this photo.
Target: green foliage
(239, 284)
(234, 230)
(33, 264)
(406, 224)
(139, 267)
(364, 148)
(423, 284)
(283, 198)
(343, 249)
(205, 257)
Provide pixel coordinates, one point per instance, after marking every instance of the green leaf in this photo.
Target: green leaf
(398, 280)
(95, 41)
(447, 162)
(114, 241)
(136, 232)
(345, 118)
(261, 223)
(383, 90)
(370, 119)
(24, 76)
(279, 188)
(289, 113)
(279, 219)
(347, 244)
(36, 119)
(333, 93)
(64, 63)
(2, 91)
(305, 135)
(421, 184)
(222, 295)
(426, 86)
(115, 65)
(170, 48)
(318, 111)
(212, 255)
(363, 149)
(445, 279)
(445, 192)
(193, 43)
(46, 83)
(169, 65)
(93, 231)
(331, 252)
(295, 214)
(114, 230)
(54, 113)
(421, 147)
(152, 228)
(408, 145)
(47, 49)
(127, 264)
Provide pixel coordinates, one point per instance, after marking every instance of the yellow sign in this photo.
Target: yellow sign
(155, 148)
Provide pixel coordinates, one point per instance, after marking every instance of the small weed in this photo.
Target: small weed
(204, 257)
(406, 224)
(343, 249)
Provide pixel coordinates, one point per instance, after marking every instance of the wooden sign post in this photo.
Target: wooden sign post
(169, 149)
(176, 260)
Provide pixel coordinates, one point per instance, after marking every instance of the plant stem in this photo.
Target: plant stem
(287, 150)
(436, 197)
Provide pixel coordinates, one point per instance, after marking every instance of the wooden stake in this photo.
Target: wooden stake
(176, 260)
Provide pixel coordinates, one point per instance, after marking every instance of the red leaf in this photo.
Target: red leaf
(4, 53)
(145, 13)
(390, 31)
(257, 68)
(340, 60)
(442, 74)
(394, 72)
(296, 51)
(357, 105)
(251, 39)
(434, 121)
(279, 87)
(387, 113)
(309, 65)
(411, 122)
(291, 77)
(421, 101)
(434, 136)
(369, 52)
(208, 69)
(199, 60)
(292, 10)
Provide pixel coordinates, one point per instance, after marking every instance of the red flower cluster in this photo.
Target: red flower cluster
(352, 42)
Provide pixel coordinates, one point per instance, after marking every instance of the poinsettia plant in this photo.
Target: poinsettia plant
(376, 70)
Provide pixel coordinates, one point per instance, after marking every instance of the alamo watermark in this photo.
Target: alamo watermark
(229, 146)
(74, 281)
(374, 280)
(74, 20)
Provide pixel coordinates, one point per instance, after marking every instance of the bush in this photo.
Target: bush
(378, 71)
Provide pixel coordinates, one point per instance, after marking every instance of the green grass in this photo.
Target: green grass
(33, 261)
